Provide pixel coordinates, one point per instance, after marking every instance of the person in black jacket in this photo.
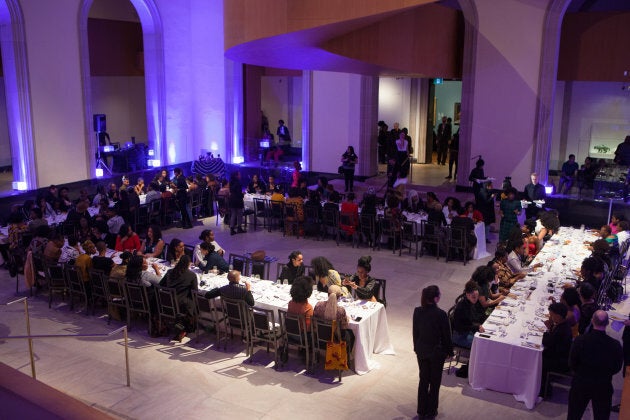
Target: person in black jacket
(294, 267)
(182, 198)
(466, 320)
(184, 282)
(595, 358)
(234, 290)
(236, 204)
(432, 344)
(556, 342)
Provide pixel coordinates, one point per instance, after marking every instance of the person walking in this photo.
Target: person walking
(432, 344)
(444, 133)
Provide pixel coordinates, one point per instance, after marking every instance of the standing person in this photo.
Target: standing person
(622, 153)
(485, 205)
(510, 209)
(236, 204)
(401, 166)
(568, 173)
(432, 344)
(444, 133)
(284, 137)
(595, 358)
(453, 151)
(476, 175)
(383, 136)
(182, 198)
(534, 191)
(295, 176)
(349, 160)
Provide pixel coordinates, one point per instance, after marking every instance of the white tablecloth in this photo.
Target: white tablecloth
(371, 332)
(61, 217)
(508, 357)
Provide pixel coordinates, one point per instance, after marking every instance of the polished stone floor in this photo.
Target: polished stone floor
(196, 380)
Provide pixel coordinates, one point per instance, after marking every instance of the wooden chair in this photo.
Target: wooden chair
(237, 316)
(98, 282)
(392, 229)
(431, 235)
(239, 263)
(330, 222)
(57, 282)
(167, 304)
(116, 298)
(380, 291)
(457, 241)
(276, 214)
(322, 331)
(138, 302)
(411, 236)
(367, 229)
(76, 286)
(208, 310)
(261, 210)
(260, 268)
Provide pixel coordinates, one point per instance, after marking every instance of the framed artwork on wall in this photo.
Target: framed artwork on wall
(457, 110)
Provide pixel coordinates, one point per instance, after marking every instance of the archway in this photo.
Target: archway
(152, 36)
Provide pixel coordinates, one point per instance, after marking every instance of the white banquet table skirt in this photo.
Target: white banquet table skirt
(507, 368)
(480, 249)
(371, 333)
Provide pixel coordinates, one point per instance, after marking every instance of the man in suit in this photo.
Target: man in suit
(182, 198)
(595, 358)
(534, 191)
(444, 133)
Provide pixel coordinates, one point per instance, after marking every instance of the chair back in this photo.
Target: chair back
(239, 263)
(167, 302)
(75, 284)
(263, 321)
(379, 291)
(322, 331)
(330, 218)
(55, 276)
(97, 279)
(137, 298)
(260, 268)
(236, 311)
(189, 250)
(293, 327)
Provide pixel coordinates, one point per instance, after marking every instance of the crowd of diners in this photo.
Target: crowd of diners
(573, 315)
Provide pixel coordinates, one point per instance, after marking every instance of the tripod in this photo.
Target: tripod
(100, 163)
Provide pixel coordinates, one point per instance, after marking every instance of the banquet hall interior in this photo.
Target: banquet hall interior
(186, 84)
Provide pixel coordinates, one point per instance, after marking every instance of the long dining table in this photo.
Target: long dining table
(368, 320)
(507, 357)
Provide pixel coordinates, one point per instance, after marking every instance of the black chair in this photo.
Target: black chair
(330, 222)
(260, 268)
(379, 291)
(276, 214)
(189, 250)
(237, 316)
(57, 282)
(431, 234)
(312, 221)
(239, 263)
(195, 203)
(76, 286)
(221, 209)
(209, 311)
(98, 281)
(348, 222)
(141, 216)
(261, 210)
(294, 334)
(265, 330)
(16, 259)
(155, 211)
(292, 221)
(392, 229)
(367, 228)
(456, 243)
(322, 331)
(116, 299)
(138, 302)
(410, 236)
(459, 351)
(167, 304)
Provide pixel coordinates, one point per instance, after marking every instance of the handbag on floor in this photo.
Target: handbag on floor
(336, 355)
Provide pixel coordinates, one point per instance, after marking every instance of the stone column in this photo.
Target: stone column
(368, 130)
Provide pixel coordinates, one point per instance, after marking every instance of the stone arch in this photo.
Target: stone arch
(13, 40)
(153, 40)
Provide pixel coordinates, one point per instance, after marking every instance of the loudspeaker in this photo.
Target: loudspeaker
(100, 123)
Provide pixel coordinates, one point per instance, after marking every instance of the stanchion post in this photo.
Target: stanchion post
(127, 356)
(30, 340)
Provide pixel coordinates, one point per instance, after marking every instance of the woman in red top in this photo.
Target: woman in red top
(127, 239)
(295, 177)
(351, 209)
(472, 212)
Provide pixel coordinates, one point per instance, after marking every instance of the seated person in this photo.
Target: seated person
(83, 263)
(332, 204)
(37, 219)
(138, 272)
(412, 202)
(450, 208)
(504, 274)
(39, 241)
(71, 250)
(362, 284)
(351, 209)
(153, 192)
(556, 342)
(175, 251)
(52, 252)
(547, 225)
(301, 290)
(484, 275)
(606, 233)
(326, 275)
(184, 282)
(119, 271)
(465, 318)
(153, 245)
(602, 250)
(570, 298)
(127, 240)
(271, 184)
(472, 212)
(322, 184)
(614, 222)
(75, 214)
(330, 310)
(296, 200)
(588, 307)
(139, 187)
(100, 233)
(234, 290)
(101, 261)
(276, 194)
(591, 271)
(114, 220)
(462, 221)
(516, 258)
(294, 268)
(256, 186)
(210, 259)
